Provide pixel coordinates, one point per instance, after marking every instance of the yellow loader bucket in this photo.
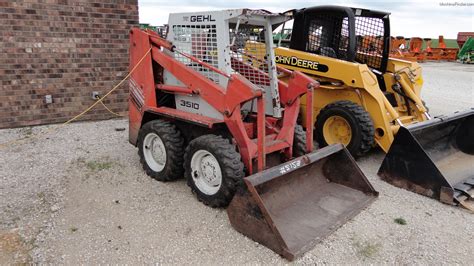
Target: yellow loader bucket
(291, 207)
(435, 158)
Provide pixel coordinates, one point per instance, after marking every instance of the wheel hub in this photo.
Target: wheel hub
(209, 170)
(206, 172)
(154, 151)
(158, 151)
(336, 129)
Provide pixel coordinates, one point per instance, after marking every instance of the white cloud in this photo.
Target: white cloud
(409, 18)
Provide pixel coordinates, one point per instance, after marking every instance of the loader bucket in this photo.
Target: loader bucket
(435, 158)
(291, 207)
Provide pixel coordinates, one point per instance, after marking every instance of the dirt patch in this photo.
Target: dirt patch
(13, 249)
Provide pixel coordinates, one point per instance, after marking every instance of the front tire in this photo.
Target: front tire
(347, 123)
(213, 169)
(161, 150)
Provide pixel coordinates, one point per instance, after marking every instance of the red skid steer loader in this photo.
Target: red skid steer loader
(200, 109)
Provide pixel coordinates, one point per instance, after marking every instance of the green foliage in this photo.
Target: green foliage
(366, 249)
(98, 166)
(400, 221)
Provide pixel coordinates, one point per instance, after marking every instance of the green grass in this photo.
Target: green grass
(98, 165)
(366, 249)
(450, 43)
(400, 221)
(28, 131)
(42, 196)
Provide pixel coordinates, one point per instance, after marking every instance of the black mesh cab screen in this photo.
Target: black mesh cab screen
(370, 41)
(328, 35)
(350, 34)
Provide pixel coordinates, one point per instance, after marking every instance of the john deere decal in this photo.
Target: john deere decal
(302, 63)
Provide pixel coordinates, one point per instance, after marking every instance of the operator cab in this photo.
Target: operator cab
(350, 34)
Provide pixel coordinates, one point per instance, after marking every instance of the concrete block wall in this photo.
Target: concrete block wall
(66, 49)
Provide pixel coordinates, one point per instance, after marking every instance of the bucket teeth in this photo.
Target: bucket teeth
(465, 188)
(469, 181)
(465, 202)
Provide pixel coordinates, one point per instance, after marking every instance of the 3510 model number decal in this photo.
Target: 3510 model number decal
(189, 104)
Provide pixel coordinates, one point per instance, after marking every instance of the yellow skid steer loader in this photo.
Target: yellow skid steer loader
(366, 98)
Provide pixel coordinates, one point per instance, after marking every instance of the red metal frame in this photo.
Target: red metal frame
(271, 134)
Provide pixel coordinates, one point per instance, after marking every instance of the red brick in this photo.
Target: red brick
(64, 48)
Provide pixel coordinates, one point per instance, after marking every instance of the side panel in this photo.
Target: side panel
(134, 122)
(196, 105)
(359, 85)
(142, 90)
(351, 74)
(191, 103)
(135, 111)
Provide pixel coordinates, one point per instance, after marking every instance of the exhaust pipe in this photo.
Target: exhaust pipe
(291, 207)
(435, 158)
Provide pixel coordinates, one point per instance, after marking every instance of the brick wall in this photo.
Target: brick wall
(63, 48)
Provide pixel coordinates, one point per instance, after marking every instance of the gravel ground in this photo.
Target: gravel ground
(80, 195)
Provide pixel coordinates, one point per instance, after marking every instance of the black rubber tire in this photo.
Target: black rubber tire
(229, 161)
(299, 142)
(174, 145)
(359, 120)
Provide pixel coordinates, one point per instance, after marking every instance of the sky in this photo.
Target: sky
(415, 18)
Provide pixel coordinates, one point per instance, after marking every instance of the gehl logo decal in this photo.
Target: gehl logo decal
(199, 18)
(301, 63)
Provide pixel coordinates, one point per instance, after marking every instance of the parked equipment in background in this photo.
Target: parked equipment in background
(466, 53)
(161, 30)
(399, 49)
(199, 107)
(397, 43)
(416, 49)
(441, 52)
(431, 53)
(413, 50)
(446, 53)
(463, 36)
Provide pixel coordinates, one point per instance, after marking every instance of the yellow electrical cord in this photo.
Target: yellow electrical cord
(108, 109)
(99, 100)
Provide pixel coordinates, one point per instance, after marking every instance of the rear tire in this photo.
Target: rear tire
(161, 150)
(359, 133)
(299, 142)
(213, 169)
